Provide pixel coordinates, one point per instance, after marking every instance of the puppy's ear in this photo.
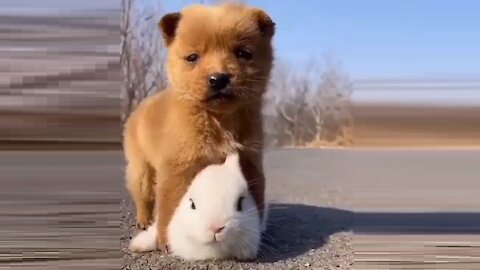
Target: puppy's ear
(168, 25)
(265, 23)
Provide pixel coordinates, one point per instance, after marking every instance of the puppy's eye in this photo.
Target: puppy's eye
(192, 58)
(243, 54)
(192, 204)
(239, 204)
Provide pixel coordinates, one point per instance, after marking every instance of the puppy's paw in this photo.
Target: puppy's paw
(141, 226)
(162, 245)
(143, 222)
(163, 248)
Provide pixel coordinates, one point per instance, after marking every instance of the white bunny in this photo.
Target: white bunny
(217, 218)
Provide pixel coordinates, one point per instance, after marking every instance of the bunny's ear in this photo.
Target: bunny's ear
(233, 160)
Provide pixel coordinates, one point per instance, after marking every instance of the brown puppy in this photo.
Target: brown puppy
(218, 66)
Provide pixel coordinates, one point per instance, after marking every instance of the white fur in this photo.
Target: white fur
(215, 192)
(145, 240)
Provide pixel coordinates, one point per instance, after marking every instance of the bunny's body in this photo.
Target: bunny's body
(217, 218)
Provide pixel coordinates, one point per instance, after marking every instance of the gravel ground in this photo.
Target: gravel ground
(298, 237)
(307, 229)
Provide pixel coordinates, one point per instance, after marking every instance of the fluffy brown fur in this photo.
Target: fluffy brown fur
(174, 134)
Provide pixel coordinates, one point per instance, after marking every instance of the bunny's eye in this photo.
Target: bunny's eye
(192, 205)
(239, 204)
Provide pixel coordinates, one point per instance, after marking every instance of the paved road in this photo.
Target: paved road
(408, 209)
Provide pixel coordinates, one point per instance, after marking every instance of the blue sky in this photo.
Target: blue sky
(378, 38)
(372, 38)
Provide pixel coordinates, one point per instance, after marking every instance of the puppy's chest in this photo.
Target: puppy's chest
(201, 149)
(215, 138)
(214, 146)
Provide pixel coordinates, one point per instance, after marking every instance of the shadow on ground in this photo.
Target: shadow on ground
(299, 235)
(296, 235)
(295, 229)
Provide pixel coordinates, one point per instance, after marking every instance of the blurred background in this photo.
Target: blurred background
(60, 78)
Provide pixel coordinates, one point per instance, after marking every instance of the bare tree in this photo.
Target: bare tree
(142, 56)
(287, 99)
(311, 107)
(290, 113)
(329, 105)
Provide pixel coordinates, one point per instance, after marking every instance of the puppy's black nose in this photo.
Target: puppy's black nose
(218, 81)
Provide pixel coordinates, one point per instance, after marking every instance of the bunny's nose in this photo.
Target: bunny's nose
(217, 229)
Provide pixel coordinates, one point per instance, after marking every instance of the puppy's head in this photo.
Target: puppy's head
(219, 57)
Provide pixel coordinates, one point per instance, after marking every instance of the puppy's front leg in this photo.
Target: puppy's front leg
(140, 184)
(168, 197)
(251, 163)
